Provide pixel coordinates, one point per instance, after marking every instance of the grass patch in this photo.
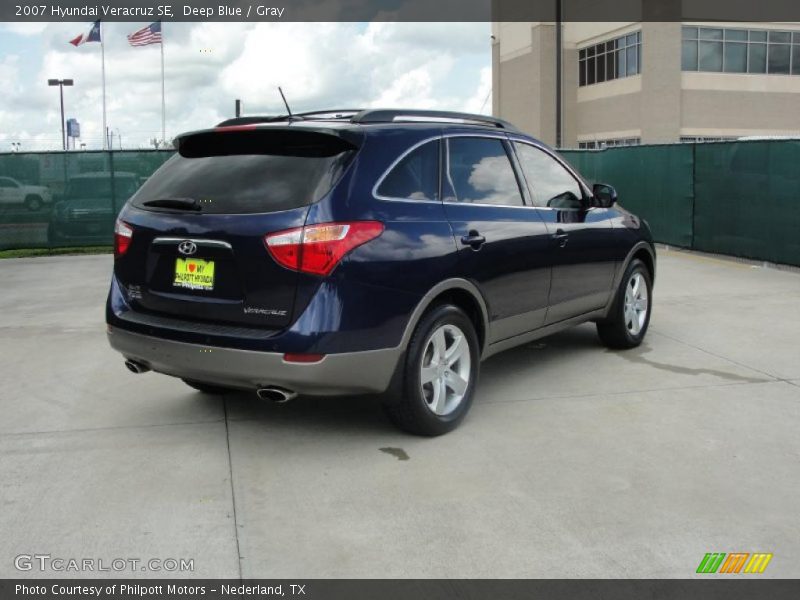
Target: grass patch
(27, 252)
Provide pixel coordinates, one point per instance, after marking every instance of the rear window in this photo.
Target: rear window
(249, 171)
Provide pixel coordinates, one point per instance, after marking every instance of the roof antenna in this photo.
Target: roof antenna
(288, 110)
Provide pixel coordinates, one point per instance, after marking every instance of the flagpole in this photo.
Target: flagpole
(163, 101)
(103, 72)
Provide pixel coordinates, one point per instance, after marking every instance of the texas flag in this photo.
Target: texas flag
(93, 35)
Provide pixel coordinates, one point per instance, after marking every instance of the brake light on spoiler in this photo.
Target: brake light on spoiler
(317, 249)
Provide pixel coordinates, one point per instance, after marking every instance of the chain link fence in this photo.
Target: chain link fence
(739, 198)
(60, 199)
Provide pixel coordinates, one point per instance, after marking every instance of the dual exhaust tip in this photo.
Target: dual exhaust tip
(274, 394)
(135, 366)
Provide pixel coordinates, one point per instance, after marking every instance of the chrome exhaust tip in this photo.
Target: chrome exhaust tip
(136, 367)
(276, 395)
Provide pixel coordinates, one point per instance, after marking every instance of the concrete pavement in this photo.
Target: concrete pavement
(574, 462)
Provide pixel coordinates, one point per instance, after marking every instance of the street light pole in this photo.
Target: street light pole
(61, 83)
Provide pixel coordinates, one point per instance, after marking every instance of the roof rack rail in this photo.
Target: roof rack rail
(336, 113)
(251, 120)
(382, 115)
(340, 113)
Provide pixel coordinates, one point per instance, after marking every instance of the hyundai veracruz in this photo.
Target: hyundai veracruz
(374, 251)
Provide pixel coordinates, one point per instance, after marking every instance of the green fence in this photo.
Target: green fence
(655, 182)
(739, 198)
(58, 199)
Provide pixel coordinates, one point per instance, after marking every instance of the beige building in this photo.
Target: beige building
(648, 82)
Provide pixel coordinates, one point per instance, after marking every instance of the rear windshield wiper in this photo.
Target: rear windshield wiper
(175, 203)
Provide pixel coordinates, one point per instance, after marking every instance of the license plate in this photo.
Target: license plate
(194, 273)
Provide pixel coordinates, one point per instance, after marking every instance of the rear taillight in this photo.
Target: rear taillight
(317, 249)
(123, 234)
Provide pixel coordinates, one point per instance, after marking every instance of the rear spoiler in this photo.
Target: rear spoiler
(281, 140)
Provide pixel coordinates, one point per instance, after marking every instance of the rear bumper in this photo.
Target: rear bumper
(336, 374)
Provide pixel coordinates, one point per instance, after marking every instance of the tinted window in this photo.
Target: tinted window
(415, 177)
(250, 172)
(779, 58)
(481, 173)
(735, 58)
(758, 58)
(710, 54)
(550, 183)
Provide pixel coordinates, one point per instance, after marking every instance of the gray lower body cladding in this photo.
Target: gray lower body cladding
(335, 375)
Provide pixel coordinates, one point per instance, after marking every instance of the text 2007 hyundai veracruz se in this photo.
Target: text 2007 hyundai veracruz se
(372, 251)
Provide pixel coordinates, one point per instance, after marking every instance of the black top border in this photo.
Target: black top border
(399, 10)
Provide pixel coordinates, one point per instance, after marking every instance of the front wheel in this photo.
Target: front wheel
(440, 375)
(630, 314)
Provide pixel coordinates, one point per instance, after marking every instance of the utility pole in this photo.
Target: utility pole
(559, 70)
(61, 83)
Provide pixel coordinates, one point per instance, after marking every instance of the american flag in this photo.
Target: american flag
(147, 35)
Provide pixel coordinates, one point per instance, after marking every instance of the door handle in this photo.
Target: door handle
(561, 236)
(473, 239)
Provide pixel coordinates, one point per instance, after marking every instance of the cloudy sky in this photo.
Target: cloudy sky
(208, 65)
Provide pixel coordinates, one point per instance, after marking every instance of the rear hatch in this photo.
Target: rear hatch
(197, 249)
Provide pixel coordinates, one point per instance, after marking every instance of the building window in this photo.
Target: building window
(600, 144)
(693, 139)
(718, 50)
(617, 58)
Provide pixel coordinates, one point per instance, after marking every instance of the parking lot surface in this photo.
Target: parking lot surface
(575, 461)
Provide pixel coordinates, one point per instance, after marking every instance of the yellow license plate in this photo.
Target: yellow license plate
(194, 273)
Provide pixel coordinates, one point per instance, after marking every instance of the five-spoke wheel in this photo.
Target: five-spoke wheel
(629, 316)
(635, 308)
(440, 374)
(445, 369)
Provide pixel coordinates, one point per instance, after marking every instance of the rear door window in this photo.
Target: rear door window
(480, 172)
(415, 177)
(250, 171)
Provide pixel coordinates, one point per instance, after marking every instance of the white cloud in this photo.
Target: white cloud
(23, 28)
(209, 65)
(481, 100)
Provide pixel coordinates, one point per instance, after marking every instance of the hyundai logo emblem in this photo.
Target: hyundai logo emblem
(187, 247)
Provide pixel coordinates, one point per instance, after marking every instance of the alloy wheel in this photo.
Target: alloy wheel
(636, 303)
(445, 369)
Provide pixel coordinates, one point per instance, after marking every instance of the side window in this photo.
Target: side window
(550, 183)
(416, 177)
(6, 183)
(481, 172)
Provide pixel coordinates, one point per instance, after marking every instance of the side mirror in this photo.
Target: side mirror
(605, 196)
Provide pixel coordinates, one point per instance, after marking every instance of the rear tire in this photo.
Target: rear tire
(206, 388)
(440, 373)
(630, 314)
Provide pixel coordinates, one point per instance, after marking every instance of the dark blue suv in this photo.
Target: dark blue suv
(372, 251)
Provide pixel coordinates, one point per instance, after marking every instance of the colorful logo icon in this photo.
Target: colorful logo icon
(716, 562)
